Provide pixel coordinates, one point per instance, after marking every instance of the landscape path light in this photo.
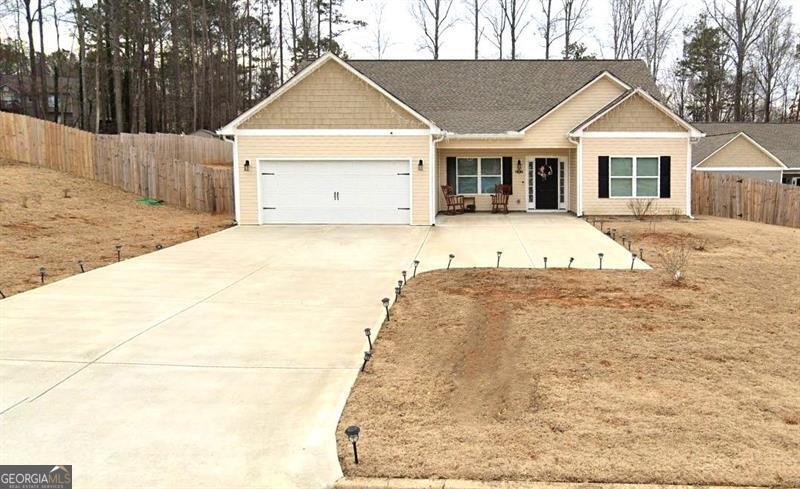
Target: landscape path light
(368, 333)
(633, 260)
(352, 433)
(545, 262)
(404, 277)
(416, 264)
(400, 285)
(641, 254)
(600, 255)
(80, 264)
(450, 260)
(571, 259)
(2, 295)
(367, 356)
(385, 302)
(499, 254)
(197, 231)
(119, 251)
(42, 273)
(397, 291)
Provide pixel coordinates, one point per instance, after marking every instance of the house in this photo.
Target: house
(753, 150)
(373, 141)
(14, 97)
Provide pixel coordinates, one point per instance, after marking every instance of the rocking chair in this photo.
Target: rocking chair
(455, 203)
(500, 198)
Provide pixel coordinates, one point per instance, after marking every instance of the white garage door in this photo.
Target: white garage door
(335, 192)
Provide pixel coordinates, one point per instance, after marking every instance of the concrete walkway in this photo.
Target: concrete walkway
(224, 361)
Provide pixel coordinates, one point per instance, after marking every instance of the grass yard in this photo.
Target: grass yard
(39, 226)
(580, 375)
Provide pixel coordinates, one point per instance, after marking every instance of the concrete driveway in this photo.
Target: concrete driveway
(225, 361)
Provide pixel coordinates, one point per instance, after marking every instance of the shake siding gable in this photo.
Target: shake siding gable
(739, 153)
(332, 98)
(635, 114)
(412, 148)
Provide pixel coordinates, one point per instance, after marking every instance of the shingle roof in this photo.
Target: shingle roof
(493, 96)
(782, 140)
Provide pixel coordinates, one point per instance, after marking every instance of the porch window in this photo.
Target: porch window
(478, 175)
(633, 176)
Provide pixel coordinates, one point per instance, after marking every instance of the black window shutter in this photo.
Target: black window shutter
(602, 177)
(451, 172)
(665, 177)
(508, 163)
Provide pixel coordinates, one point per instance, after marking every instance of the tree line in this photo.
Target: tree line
(180, 66)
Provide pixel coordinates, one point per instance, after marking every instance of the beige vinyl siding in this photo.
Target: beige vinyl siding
(740, 152)
(412, 148)
(551, 131)
(593, 148)
(572, 182)
(518, 199)
(331, 97)
(636, 114)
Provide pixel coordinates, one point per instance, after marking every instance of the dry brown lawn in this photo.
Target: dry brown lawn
(580, 375)
(40, 227)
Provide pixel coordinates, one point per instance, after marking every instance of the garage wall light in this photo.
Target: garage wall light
(420, 166)
(519, 166)
(246, 165)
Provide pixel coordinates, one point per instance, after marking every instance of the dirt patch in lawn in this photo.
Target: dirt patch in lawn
(582, 375)
(51, 219)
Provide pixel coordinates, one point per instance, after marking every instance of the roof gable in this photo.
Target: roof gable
(635, 113)
(740, 151)
(328, 94)
(780, 140)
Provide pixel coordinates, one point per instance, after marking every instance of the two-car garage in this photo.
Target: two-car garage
(328, 191)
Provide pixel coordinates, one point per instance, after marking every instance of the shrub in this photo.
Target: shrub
(676, 262)
(641, 208)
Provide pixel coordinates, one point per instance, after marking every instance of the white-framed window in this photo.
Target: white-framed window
(633, 176)
(478, 175)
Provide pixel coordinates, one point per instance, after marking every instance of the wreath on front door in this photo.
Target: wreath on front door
(544, 171)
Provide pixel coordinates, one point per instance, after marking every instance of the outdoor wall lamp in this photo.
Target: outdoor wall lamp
(419, 166)
(246, 165)
(352, 435)
(519, 166)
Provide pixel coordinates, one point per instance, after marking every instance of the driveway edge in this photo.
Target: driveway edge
(384, 483)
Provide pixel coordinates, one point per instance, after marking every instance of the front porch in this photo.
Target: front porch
(541, 179)
(524, 239)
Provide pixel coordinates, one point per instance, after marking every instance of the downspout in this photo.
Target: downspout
(433, 164)
(579, 173)
(236, 199)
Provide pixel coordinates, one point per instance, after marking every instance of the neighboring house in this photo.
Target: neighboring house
(753, 150)
(15, 99)
(373, 141)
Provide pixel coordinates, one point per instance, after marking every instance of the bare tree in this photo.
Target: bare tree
(433, 17)
(474, 8)
(618, 30)
(378, 34)
(574, 13)
(774, 50)
(661, 22)
(548, 25)
(742, 22)
(497, 22)
(515, 13)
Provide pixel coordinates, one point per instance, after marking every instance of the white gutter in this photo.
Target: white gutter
(499, 135)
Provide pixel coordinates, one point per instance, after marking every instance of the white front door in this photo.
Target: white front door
(335, 192)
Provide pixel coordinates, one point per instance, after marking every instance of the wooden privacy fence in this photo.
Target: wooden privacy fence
(191, 172)
(745, 198)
